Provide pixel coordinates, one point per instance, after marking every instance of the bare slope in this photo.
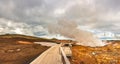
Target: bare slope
(20, 49)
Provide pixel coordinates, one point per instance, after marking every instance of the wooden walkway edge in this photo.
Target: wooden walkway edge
(64, 56)
(51, 56)
(54, 55)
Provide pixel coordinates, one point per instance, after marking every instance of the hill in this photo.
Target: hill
(14, 38)
(20, 49)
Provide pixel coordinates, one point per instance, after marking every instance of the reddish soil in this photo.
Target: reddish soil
(19, 49)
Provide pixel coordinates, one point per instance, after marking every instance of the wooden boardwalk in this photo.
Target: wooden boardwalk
(51, 56)
(67, 51)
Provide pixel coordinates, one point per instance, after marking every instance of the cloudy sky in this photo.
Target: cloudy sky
(32, 17)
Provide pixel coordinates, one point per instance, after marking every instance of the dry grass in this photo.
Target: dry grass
(109, 54)
(7, 38)
(19, 53)
(20, 49)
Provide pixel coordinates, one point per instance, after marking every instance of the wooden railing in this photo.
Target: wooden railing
(65, 59)
(54, 55)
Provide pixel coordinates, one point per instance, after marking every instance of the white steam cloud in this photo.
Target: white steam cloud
(33, 17)
(70, 29)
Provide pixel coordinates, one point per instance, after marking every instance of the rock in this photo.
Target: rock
(18, 50)
(10, 51)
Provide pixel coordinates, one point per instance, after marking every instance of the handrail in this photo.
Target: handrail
(64, 56)
(64, 59)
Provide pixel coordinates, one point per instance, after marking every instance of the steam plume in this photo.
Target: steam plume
(69, 29)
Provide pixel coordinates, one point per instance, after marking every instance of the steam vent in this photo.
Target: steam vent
(59, 31)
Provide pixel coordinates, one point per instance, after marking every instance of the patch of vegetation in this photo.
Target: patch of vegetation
(109, 54)
(13, 51)
(20, 54)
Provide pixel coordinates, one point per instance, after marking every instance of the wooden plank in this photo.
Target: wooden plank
(67, 51)
(51, 56)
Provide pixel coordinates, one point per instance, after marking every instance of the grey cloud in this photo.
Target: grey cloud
(109, 5)
(35, 13)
